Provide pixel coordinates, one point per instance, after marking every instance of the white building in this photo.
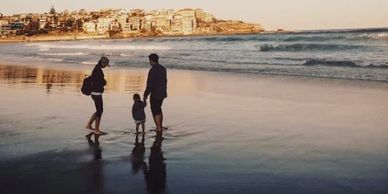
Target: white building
(203, 16)
(135, 22)
(103, 25)
(189, 23)
(89, 27)
(124, 23)
(126, 27)
(3, 23)
(42, 23)
(114, 26)
(148, 22)
(176, 24)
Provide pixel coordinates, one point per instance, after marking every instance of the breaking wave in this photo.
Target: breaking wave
(378, 36)
(331, 63)
(306, 47)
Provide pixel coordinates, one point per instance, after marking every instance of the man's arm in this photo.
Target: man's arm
(149, 85)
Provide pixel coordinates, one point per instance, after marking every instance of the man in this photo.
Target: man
(157, 87)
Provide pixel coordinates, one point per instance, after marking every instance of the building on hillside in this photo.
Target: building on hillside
(42, 23)
(126, 27)
(124, 23)
(136, 12)
(135, 22)
(148, 23)
(114, 26)
(163, 21)
(89, 27)
(189, 23)
(103, 25)
(176, 23)
(3, 22)
(202, 16)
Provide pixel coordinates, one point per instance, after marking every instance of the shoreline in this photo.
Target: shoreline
(74, 67)
(119, 70)
(264, 130)
(70, 37)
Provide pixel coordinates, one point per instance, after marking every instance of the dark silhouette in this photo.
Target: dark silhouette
(97, 174)
(94, 145)
(138, 113)
(157, 87)
(155, 175)
(137, 156)
(98, 83)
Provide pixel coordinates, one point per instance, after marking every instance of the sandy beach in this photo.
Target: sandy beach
(228, 133)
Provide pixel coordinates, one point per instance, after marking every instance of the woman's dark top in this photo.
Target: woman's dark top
(98, 81)
(138, 110)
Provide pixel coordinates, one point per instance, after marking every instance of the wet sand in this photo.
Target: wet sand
(228, 133)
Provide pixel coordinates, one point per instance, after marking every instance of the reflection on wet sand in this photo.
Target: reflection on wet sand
(97, 173)
(137, 155)
(155, 174)
(54, 79)
(94, 145)
(155, 170)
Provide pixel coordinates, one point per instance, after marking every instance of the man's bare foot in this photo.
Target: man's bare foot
(89, 127)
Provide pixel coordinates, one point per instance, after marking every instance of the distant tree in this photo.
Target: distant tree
(52, 10)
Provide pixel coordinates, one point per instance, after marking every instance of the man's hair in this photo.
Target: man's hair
(154, 57)
(136, 97)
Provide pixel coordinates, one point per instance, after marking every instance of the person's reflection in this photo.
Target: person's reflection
(137, 156)
(49, 85)
(96, 177)
(155, 175)
(95, 146)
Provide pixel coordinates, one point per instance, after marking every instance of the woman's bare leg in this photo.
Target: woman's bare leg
(92, 119)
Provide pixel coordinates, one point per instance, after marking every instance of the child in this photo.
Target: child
(138, 112)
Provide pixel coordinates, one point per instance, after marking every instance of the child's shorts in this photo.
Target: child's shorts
(140, 122)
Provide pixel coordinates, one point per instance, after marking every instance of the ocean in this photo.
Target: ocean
(348, 54)
(245, 132)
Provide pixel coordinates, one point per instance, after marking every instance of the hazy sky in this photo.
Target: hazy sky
(272, 14)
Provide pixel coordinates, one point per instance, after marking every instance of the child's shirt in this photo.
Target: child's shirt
(138, 110)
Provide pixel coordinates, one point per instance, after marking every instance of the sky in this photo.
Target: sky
(271, 14)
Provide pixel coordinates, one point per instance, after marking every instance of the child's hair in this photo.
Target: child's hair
(136, 97)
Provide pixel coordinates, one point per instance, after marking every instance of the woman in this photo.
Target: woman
(98, 83)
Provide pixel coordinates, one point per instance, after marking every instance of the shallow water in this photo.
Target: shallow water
(250, 134)
(358, 54)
